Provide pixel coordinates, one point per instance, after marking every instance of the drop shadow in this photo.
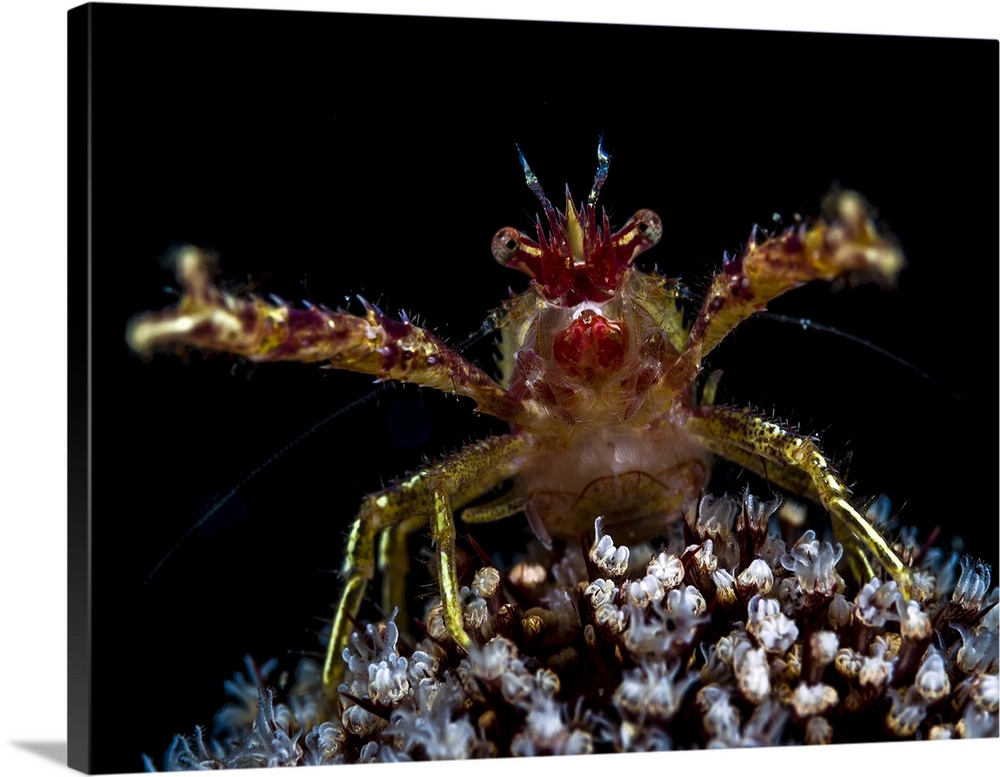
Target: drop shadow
(51, 751)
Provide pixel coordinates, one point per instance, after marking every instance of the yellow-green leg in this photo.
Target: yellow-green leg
(394, 565)
(426, 498)
(796, 463)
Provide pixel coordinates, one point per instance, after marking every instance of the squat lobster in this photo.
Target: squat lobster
(598, 385)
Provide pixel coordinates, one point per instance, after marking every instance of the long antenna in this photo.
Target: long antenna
(806, 323)
(223, 500)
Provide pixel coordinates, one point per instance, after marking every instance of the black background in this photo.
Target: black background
(327, 155)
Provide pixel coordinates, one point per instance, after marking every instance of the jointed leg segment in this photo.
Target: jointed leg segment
(429, 497)
(740, 436)
(206, 317)
(209, 318)
(844, 244)
(394, 563)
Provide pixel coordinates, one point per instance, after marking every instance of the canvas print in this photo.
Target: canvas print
(522, 388)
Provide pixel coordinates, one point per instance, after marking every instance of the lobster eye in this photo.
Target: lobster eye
(649, 226)
(506, 244)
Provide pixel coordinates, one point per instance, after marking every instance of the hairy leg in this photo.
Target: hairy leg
(209, 318)
(794, 461)
(844, 244)
(426, 498)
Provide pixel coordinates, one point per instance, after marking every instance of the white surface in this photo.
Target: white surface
(33, 278)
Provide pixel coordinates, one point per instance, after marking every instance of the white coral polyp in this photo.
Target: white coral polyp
(601, 592)
(932, 677)
(686, 603)
(906, 713)
(876, 670)
(486, 582)
(716, 516)
(611, 560)
(810, 700)
(721, 718)
(645, 591)
(818, 731)
(650, 690)
(840, 612)
(495, 658)
(432, 726)
(725, 586)
(546, 732)
(876, 603)
(422, 666)
(667, 568)
(611, 618)
(814, 564)
(545, 718)
(772, 628)
(475, 614)
(824, 646)
(387, 681)
(986, 692)
(323, 744)
(752, 674)
(978, 652)
(757, 578)
(977, 723)
(714, 520)
(704, 558)
(914, 623)
(973, 584)
(360, 721)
